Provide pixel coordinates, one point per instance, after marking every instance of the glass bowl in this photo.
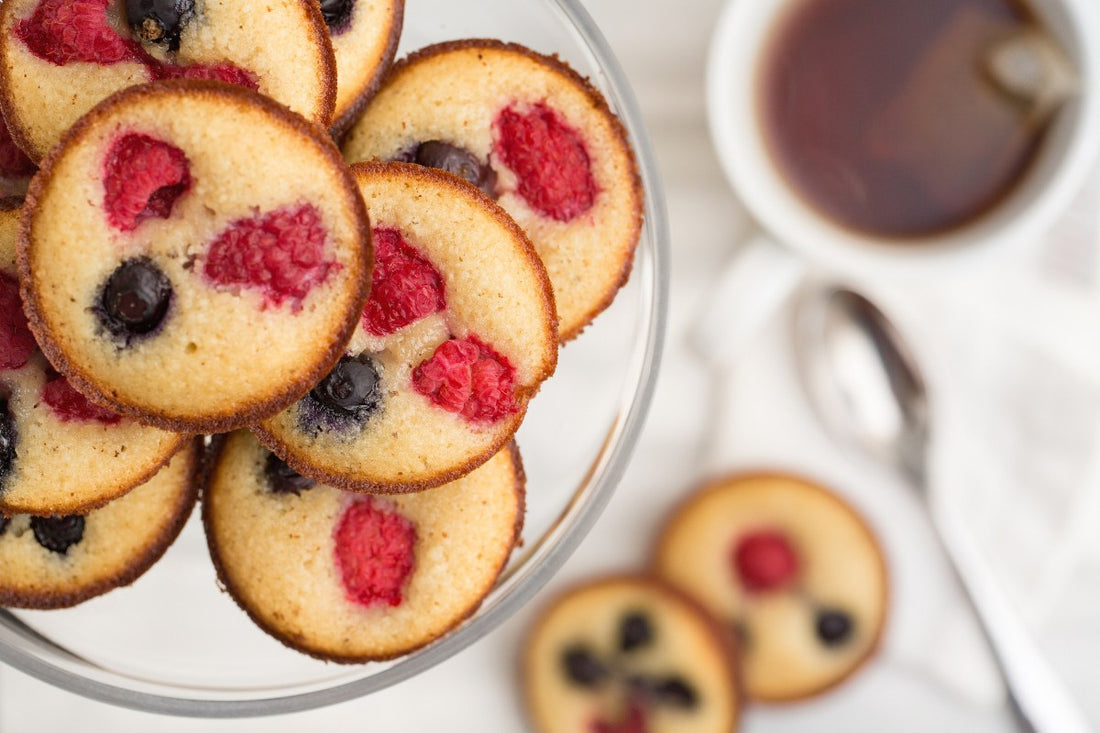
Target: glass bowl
(174, 643)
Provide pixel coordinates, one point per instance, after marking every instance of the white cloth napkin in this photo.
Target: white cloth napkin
(1012, 358)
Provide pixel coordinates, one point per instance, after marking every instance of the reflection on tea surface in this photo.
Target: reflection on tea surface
(882, 113)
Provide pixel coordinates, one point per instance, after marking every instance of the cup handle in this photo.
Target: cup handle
(754, 284)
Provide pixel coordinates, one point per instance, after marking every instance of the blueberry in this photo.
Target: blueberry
(351, 389)
(4, 522)
(635, 631)
(669, 691)
(58, 534)
(135, 298)
(677, 693)
(458, 161)
(283, 479)
(159, 21)
(337, 14)
(8, 438)
(833, 627)
(582, 667)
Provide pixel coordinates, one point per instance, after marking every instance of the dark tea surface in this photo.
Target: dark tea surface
(881, 114)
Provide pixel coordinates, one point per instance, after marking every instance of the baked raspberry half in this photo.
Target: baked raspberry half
(16, 342)
(281, 254)
(764, 561)
(143, 179)
(374, 553)
(468, 377)
(71, 406)
(67, 31)
(405, 287)
(549, 159)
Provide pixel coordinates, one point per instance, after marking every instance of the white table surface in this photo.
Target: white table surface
(662, 46)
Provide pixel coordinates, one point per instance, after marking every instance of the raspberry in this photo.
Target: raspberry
(633, 722)
(468, 377)
(374, 553)
(549, 160)
(143, 178)
(16, 342)
(280, 254)
(224, 72)
(65, 31)
(71, 406)
(764, 560)
(404, 288)
(14, 163)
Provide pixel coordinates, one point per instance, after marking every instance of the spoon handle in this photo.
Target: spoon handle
(1039, 699)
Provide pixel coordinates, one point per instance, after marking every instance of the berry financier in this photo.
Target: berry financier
(58, 58)
(457, 336)
(352, 578)
(531, 133)
(59, 453)
(626, 655)
(789, 566)
(174, 270)
(60, 561)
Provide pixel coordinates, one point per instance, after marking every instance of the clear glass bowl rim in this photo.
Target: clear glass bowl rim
(560, 542)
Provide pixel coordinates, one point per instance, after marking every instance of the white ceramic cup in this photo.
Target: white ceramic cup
(738, 50)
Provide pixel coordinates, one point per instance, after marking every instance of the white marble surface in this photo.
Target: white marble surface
(662, 47)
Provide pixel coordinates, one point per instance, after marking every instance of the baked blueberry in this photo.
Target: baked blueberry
(159, 21)
(583, 668)
(635, 631)
(351, 389)
(833, 627)
(457, 161)
(4, 522)
(58, 534)
(283, 479)
(135, 298)
(672, 691)
(337, 14)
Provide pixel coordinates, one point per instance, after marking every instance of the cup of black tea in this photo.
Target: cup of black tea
(899, 134)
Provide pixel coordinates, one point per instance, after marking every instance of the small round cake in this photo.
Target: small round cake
(457, 336)
(177, 271)
(788, 566)
(364, 37)
(351, 578)
(60, 561)
(531, 133)
(629, 655)
(58, 58)
(59, 453)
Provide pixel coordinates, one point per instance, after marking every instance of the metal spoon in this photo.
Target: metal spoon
(868, 390)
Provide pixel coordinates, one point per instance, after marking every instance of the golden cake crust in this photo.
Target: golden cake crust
(182, 471)
(363, 464)
(577, 304)
(713, 489)
(352, 96)
(28, 124)
(721, 642)
(361, 260)
(221, 505)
